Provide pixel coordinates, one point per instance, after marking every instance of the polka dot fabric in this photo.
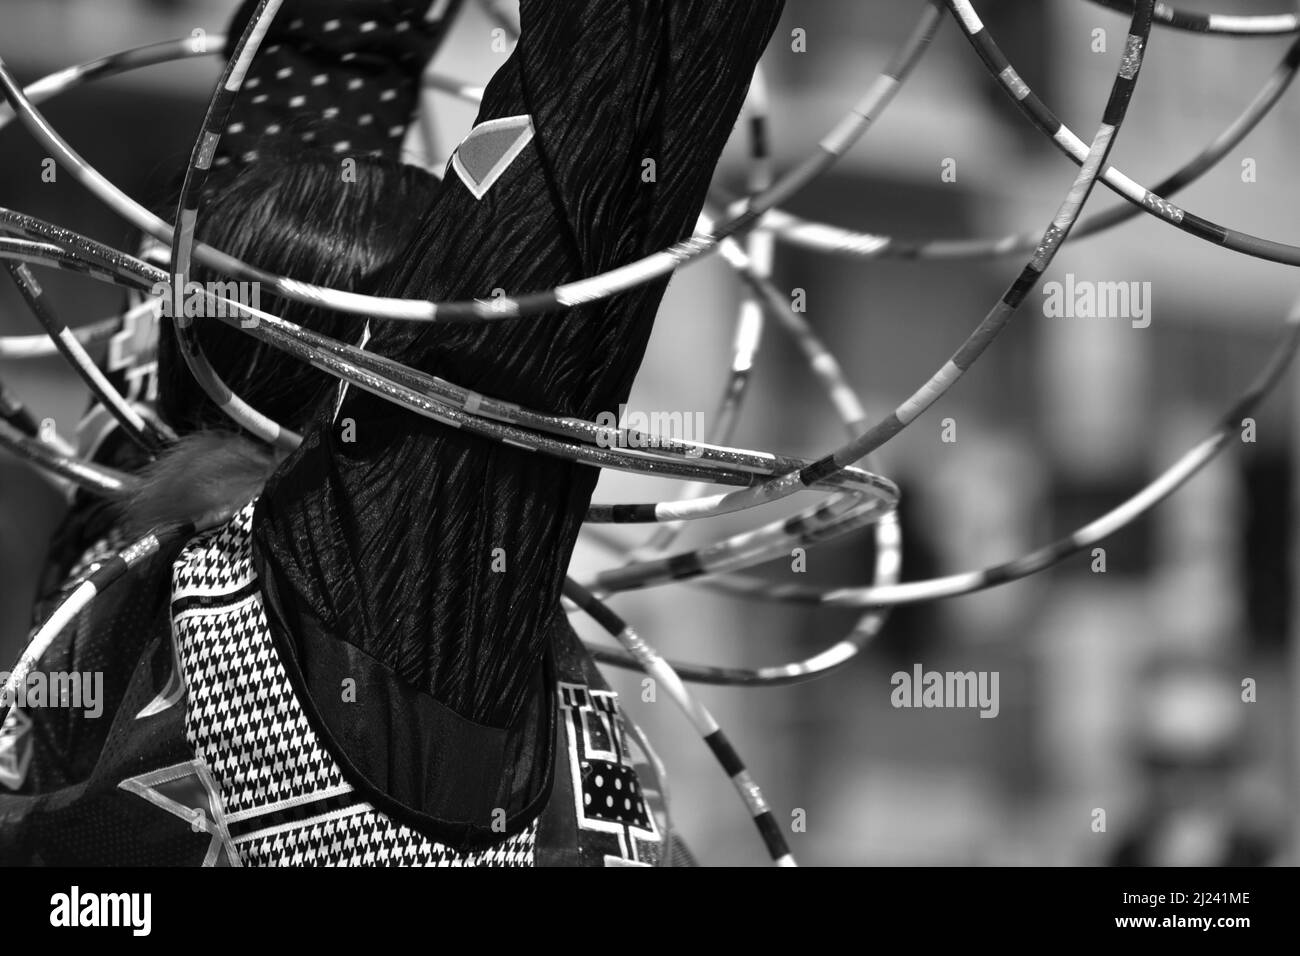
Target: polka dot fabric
(339, 74)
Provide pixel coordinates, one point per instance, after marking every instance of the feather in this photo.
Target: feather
(204, 478)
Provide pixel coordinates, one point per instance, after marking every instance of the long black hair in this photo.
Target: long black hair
(310, 215)
(313, 216)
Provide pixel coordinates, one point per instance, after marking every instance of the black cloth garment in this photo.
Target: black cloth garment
(628, 106)
(618, 113)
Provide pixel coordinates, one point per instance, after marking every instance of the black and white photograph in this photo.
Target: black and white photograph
(837, 434)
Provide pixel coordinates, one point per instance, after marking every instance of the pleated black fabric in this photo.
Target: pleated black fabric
(389, 542)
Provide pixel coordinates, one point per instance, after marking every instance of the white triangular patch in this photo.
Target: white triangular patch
(15, 748)
(488, 151)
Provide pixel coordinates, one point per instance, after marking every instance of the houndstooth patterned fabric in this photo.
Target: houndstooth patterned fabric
(223, 565)
(360, 837)
(247, 724)
(283, 796)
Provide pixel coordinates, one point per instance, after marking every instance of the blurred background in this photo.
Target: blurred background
(1120, 691)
